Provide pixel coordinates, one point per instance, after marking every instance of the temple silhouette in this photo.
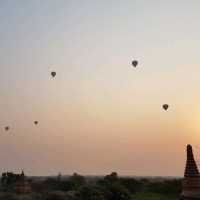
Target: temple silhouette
(15, 182)
(191, 181)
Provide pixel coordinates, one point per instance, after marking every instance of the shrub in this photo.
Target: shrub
(56, 196)
(89, 192)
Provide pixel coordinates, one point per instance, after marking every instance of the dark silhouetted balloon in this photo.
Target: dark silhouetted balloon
(35, 122)
(53, 74)
(134, 63)
(7, 128)
(165, 106)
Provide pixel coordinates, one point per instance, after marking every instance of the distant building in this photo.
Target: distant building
(16, 182)
(191, 181)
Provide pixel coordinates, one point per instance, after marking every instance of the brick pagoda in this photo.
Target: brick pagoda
(191, 181)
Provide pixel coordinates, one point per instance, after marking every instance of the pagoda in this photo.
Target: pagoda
(191, 181)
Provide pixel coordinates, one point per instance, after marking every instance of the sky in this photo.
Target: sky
(99, 114)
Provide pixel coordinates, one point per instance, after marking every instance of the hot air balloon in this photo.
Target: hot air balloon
(134, 63)
(165, 106)
(35, 122)
(7, 128)
(53, 74)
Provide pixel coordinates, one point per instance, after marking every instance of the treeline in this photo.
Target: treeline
(110, 187)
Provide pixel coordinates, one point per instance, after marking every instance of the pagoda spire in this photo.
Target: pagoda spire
(191, 181)
(191, 169)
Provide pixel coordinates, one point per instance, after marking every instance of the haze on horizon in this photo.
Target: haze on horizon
(99, 114)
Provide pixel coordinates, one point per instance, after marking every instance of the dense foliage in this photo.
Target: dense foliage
(110, 187)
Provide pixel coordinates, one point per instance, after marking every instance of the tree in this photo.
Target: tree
(56, 196)
(77, 181)
(89, 192)
(116, 191)
(132, 184)
(113, 177)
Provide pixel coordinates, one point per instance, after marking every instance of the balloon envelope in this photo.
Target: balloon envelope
(165, 106)
(134, 63)
(53, 74)
(7, 128)
(35, 122)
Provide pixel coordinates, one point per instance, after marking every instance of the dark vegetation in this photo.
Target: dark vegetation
(110, 187)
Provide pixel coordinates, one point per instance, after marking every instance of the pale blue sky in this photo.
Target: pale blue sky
(99, 107)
